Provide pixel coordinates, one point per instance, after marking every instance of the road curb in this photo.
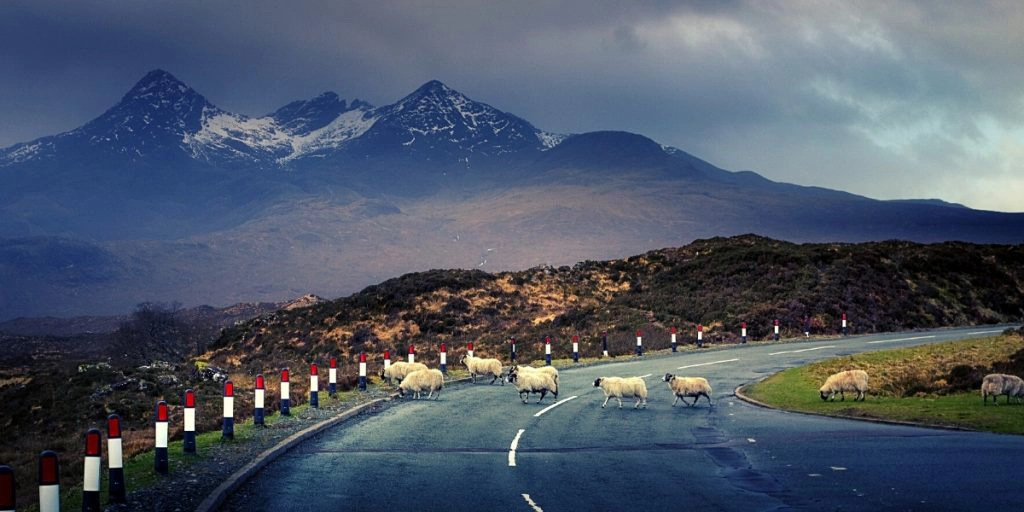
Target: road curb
(233, 482)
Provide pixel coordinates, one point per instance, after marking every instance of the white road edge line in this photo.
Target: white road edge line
(552, 406)
(982, 332)
(512, 449)
(798, 351)
(901, 339)
(532, 505)
(706, 364)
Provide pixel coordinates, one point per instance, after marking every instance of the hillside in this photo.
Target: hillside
(719, 283)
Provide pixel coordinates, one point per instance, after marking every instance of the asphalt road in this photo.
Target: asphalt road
(456, 453)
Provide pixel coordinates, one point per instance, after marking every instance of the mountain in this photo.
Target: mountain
(167, 197)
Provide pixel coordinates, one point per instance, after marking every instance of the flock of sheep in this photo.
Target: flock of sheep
(416, 378)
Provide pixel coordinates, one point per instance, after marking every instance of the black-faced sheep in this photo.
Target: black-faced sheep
(549, 370)
(619, 387)
(399, 369)
(850, 380)
(481, 366)
(995, 384)
(533, 382)
(429, 380)
(683, 387)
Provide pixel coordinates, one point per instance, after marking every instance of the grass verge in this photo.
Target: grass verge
(906, 385)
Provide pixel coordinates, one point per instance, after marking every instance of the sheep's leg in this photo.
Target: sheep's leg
(674, 402)
(842, 395)
(709, 400)
(542, 393)
(494, 379)
(606, 398)
(619, 398)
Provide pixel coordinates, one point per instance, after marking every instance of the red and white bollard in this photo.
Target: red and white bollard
(91, 471)
(575, 348)
(261, 390)
(314, 387)
(387, 359)
(547, 350)
(776, 329)
(639, 343)
(160, 462)
(332, 377)
(286, 401)
(469, 349)
(512, 349)
(49, 482)
(673, 339)
(743, 332)
(700, 335)
(228, 430)
(444, 358)
(7, 498)
(362, 371)
(189, 445)
(604, 344)
(116, 492)
(412, 354)
(844, 324)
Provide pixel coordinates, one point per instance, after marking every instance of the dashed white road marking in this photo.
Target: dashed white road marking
(552, 406)
(532, 505)
(983, 332)
(837, 468)
(512, 449)
(802, 350)
(901, 339)
(751, 440)
(707, 364)
(645, 376)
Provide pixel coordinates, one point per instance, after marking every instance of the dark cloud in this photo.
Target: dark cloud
(879, 98)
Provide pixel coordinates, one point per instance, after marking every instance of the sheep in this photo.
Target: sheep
(550, 370)
(429, 380)
(996, 384)
(683, 387)
(619, 387)
(481, 366)
(533, 382)
(399, 369)
(850, 380)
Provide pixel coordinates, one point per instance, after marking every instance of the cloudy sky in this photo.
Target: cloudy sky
(885, 99)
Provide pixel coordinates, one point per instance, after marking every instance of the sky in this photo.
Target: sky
(891, 100)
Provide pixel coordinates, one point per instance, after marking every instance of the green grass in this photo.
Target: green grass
(796, 389)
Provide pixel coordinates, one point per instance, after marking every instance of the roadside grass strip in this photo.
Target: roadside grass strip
(904, 385)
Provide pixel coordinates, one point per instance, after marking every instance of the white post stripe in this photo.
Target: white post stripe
(547, 349)
(259, 398)
(639, 340)
(161, 434)
(190, 419)
(444, 358)
(49, 497)
(332, 375)
(515, 445)
(362, 368)
(229, 407)
(314, 383)
(532, 505)
(707, 364)
(284, 390)
(552, 406)
(91, 481)
(114, 458)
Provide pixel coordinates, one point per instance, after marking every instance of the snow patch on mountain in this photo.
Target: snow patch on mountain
(344, 128)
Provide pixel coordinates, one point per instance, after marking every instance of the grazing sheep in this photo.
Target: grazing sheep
(618, 387)
(850, 380)
(428, 380)
(481, 366)
(996, 384)
(533, 382)
(549, 370)
(399, 369)
(683, 387)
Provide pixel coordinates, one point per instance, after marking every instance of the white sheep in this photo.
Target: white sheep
(429, 380)
(550, 370)
(995, 384)
(481, 366)
(533, 382)
(683, 387)
(618, 387)
(399, 369)
(850, 380)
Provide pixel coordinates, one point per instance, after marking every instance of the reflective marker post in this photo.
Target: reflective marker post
(362, 370)
(49, 482)
(228, 430)
(444, 358)
(604, 344)
(286, 401)
(91, 471)
(7, 497)
(512, 345)
(575, 348)
(673, 339)
(314, 387)
(844, 324)
(776, 329)
(469, 349)
(412, 354)
(189, 445)
(547, 350)
(700, 335)
(387, 359)
(160, 463)
(115, 462)
(743, 331)
(257, 417)
(332, 378)
(639, 343)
